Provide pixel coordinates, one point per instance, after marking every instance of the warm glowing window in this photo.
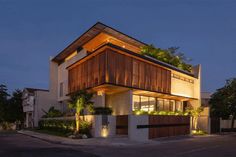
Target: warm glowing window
(136, 102)
(144, 103)
(155, 104)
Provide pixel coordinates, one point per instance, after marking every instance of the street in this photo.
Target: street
(12, 145)
(23, 146)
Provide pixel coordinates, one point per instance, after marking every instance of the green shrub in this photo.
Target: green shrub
(102, 111)
(52, 112)
(176, 113)
(65, 126)
(6, 125)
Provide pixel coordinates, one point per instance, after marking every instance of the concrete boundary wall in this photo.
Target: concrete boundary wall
(138, 134)
(226, 124)
(204, 124)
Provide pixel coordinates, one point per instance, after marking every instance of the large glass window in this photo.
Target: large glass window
(136, 102)
(178, 106)
(166, 105)
(152, 104)
(144, 103)
(160, 104)
(172, 105)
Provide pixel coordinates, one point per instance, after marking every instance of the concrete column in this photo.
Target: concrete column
(131, 101)
(99, 99)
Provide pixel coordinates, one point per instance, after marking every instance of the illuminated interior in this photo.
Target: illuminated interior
(146, 103)
(104, 38)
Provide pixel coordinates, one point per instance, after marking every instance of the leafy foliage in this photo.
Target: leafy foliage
(170, 56)
(11, 109)
(102, 111)
(3, 101)
(175, 113)
(223, 101)
(81, 100)
(65, 126)
(52, 112)
(195, 113)
(14, 107)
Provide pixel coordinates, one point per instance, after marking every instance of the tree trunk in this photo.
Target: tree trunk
(77, 118)
(232, 123)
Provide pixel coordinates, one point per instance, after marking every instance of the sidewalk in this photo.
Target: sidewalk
(110, 141)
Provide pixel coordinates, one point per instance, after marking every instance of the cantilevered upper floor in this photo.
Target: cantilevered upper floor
(104, 59)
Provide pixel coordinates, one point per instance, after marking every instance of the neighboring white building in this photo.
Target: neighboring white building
(34, 102)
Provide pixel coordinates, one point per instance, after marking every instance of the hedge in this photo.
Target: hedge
(65, 126)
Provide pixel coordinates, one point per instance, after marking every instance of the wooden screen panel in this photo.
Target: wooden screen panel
(128, 71)
(87, 74)
(102, 66)
(111, 62)
(120, 70)
(131, 72)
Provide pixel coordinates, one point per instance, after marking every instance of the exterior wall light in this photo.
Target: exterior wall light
(101, 93)
(104, 132)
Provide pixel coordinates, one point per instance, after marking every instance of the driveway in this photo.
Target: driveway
(217, 146)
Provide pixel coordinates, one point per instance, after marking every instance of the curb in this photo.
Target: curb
(47, 140)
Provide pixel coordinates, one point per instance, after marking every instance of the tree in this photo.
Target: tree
(195, 114)
(171, 56)
(14, 107)
(3, 101)
(79, 101)
(223, 101)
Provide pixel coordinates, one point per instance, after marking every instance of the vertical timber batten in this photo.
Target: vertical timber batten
(110, 66)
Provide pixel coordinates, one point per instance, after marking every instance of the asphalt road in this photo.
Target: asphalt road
(17, 145)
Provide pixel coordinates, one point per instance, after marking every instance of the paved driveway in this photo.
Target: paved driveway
(217, 146)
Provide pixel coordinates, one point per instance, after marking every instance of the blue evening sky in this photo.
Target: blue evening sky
(33, 30)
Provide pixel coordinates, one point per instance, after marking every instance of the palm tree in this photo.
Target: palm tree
(79, 101)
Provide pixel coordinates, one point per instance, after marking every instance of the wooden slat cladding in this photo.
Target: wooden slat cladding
(122, 125)
(127, 71)
(115, 68)
(166, 126)
(89, 73)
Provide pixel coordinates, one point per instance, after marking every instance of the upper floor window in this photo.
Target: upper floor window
(61, 89)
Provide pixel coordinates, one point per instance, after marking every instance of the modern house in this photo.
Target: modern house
(108, 63)
(35, 102)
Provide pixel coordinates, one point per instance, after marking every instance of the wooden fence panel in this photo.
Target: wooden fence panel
(122, 125)
(166, 126)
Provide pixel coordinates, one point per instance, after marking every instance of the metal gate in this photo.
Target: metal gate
(122, 125)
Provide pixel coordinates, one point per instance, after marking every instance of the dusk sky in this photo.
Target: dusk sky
(33, 30)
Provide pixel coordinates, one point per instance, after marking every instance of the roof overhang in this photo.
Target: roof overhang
(90, 34)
